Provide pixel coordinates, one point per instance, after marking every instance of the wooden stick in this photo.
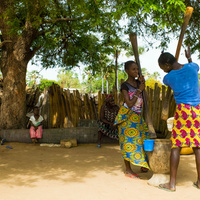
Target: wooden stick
(186, 19)
(165, 109)
(187, 16)
(133, 39)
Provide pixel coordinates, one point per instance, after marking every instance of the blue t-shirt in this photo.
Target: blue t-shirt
(185, 84)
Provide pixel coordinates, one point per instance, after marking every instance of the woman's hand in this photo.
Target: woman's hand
(141, 79)
(142, 83)
(188, 54)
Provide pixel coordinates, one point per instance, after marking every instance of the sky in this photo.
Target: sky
(148, 60)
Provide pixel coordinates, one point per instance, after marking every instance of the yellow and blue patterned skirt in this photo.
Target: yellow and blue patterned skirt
(132, 131)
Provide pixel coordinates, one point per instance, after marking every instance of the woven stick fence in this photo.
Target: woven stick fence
(62, 108)
(156, 99)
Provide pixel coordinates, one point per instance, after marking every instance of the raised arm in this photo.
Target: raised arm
(188, 54)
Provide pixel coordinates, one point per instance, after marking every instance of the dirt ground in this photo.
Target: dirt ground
(29, 172)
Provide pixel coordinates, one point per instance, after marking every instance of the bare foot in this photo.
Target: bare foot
(134, 176)
(196, 185)
(129, 171)
(167, 187)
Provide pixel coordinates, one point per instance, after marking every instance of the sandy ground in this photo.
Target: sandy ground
(29, 172)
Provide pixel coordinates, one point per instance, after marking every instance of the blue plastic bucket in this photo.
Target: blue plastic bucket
(148, 144)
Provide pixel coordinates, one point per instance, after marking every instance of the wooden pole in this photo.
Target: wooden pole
(133, 39)
(116, 70)
(187, 16)
(186, 19)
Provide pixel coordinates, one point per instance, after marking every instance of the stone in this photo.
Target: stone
(68, 144)
(72, 141)
(158, 179)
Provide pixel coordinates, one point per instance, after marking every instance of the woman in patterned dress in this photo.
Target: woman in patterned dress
(108, 113)
(183, 79)
(131, 126)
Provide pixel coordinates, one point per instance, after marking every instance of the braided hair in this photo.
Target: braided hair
(166, 58)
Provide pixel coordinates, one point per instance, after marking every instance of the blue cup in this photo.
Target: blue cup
(148, 144)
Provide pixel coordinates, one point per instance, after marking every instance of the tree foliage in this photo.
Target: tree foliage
(65, 33)
(68, 79)
(155, 75)
(69, 32)
(93, 84)
(193, 32)
(129, 51)
(32, 78)
(45, 83)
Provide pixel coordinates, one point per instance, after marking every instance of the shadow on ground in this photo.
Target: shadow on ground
(187, 169)
(26, 164)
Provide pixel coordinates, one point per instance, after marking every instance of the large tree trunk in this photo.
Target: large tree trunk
(15, 55)
(13, 107)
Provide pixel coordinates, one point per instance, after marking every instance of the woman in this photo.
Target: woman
(108, 113)
(132, 128)
(183, 79)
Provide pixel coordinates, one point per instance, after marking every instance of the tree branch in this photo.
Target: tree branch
(32, 53)
(58, 20)
(4, 42)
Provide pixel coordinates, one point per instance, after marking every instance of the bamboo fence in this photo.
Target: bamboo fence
(156, 98)
(62, 108)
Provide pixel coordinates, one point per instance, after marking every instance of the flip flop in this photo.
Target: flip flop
(98, 146)
(166, 189)
(196, 185)
(134, 176)
(9, 147)
(143, 169)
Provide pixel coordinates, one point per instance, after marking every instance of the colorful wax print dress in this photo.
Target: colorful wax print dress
(132, 130)
(186, 129)
(185, 85)
(106, 129)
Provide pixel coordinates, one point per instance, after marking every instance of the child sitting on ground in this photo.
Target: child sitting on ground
(36, 125)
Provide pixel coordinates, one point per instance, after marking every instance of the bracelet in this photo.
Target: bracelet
(136, 96)
(139, 90)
